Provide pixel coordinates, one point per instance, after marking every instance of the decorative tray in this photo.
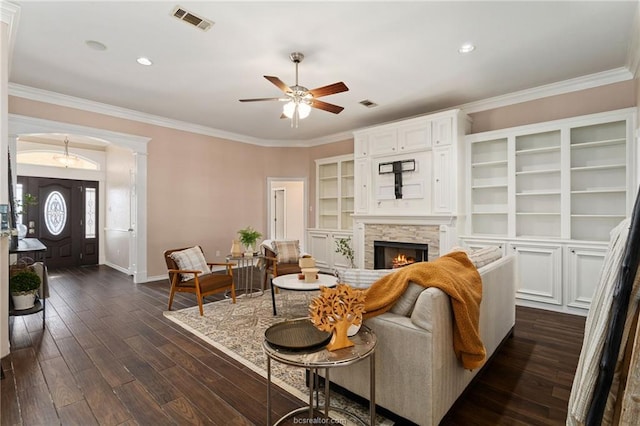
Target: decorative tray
(296, 334)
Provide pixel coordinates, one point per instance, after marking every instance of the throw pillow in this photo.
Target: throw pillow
(485, 256)
(288, 251)
(191, 259)
(361, 278)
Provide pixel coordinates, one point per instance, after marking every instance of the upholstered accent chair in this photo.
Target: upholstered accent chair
(189, 272)
(281, 258)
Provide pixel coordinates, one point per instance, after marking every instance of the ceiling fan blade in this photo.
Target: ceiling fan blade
(262, 99)
(279, 83)
(329, 90)
(326, 106)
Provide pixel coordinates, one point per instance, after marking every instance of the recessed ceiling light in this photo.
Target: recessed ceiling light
(95, 45)
(466, 48)
(144, 61)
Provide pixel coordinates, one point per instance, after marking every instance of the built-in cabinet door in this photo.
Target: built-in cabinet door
(540, 272)
(319, 246)
(479, 244)
(442, 131)
(414, 136)
(583, 273)
(361, 146)
(362, 184)
(443, 193)
(338, 260)
(383, 142)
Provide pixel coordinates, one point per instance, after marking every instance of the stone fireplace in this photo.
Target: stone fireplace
(427, 235)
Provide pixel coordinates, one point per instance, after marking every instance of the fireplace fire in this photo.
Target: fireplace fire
(394, 254)
(402, 260)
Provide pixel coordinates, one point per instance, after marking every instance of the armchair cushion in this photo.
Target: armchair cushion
(288, 251)
(191, 259)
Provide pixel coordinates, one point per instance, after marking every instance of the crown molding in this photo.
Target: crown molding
(633, 53)
(54, 98)
(567, 86)
(10, 15)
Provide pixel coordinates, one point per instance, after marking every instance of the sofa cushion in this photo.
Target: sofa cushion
(191, 259)
(406, 302)
(361, 278)
(288, 251)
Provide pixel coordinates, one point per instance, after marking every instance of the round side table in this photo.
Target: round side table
(320, 358)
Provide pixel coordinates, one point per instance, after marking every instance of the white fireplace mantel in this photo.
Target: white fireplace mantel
(446, 220)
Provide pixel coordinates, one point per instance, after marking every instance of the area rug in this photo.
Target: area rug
(238, 331)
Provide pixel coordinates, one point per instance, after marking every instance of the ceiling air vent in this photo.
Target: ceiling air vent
(368, 103)
(190, 18)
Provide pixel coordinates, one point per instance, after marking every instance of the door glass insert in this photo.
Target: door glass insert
(55, 213)
(90, 213)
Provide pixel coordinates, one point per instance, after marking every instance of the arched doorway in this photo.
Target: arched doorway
(136, 234)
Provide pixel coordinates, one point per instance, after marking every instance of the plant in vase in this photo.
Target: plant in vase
(23, 286)
(335, 311)
(343, 247)
(248, 238)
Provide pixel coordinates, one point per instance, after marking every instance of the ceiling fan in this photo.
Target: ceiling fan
(299, 100)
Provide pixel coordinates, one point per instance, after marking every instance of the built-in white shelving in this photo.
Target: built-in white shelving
(551, 193)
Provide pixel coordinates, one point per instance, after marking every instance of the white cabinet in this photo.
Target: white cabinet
(444, 191)
(362, 184)
(429, 184)
(584, 264)
(335, 192)
(540, 272)
(361, 146)
(442, 131)
(322, 246)
(397, 138)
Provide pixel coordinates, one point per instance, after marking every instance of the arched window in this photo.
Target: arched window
(54, 159)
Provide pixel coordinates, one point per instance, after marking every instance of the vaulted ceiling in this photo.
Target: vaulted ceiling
(403, 56)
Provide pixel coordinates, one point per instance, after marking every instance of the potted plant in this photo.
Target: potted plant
(343, 247)
(248, 238)
(23, 286)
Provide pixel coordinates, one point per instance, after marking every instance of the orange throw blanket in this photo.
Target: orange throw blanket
(452, 273)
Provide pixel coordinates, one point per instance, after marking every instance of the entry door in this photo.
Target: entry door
(65, 219)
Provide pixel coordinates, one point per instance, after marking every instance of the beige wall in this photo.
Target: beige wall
(604, 98)
(201, 189)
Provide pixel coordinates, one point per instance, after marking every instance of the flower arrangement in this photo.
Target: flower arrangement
(335, 310)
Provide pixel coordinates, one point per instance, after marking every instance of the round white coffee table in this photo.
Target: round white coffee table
(291, 282)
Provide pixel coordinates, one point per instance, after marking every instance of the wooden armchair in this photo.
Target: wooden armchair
(201, 283)
(276, 268)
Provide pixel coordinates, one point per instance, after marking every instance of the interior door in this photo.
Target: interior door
(65, 219)
(279, 220)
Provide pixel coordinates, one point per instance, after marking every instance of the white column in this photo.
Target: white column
(8, 14)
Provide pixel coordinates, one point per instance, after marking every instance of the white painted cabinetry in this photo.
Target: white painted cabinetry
(552, 192)
(431, 142)
(322, 246)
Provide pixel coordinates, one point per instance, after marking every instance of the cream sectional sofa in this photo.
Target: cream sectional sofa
(417, 374)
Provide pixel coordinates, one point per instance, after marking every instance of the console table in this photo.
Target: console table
(30, 245)
(320, 358)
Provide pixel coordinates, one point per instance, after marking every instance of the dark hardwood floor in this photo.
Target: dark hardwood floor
(107, 356)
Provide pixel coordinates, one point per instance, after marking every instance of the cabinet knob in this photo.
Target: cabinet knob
(393, 149)
(402, 147)
(437, 180)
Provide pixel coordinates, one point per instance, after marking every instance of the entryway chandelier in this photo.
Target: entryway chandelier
(66, 159)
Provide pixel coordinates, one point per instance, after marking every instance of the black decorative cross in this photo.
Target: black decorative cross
(397, 168)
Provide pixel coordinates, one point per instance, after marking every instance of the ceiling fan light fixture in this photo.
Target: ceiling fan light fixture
(289, 108)
(303, 110)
